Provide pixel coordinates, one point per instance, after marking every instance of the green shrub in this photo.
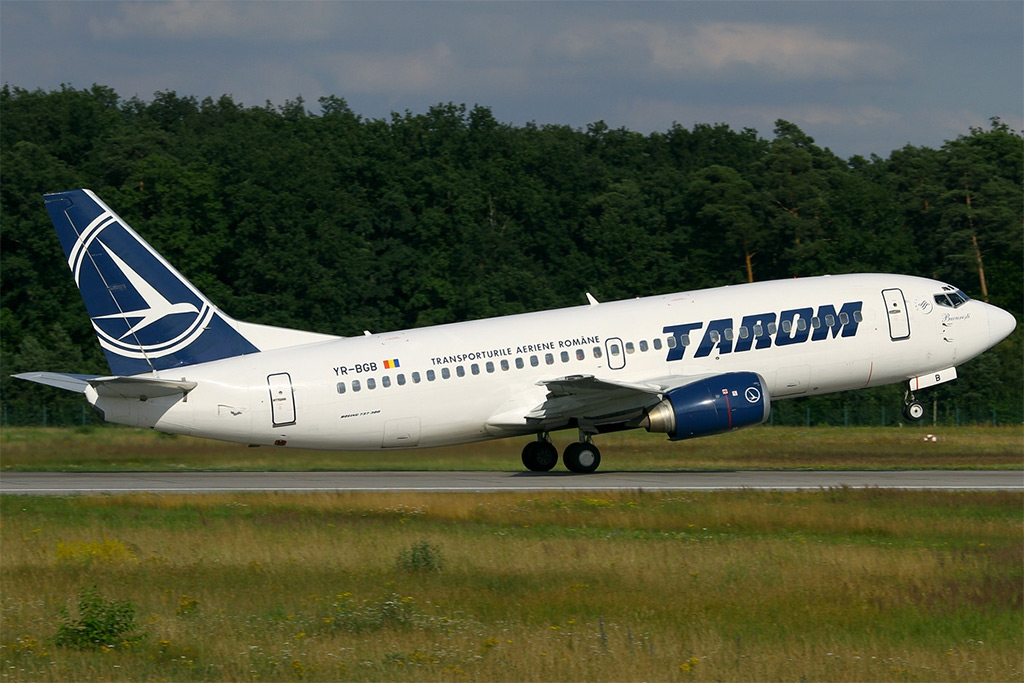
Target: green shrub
(420, 557)
(100, 623)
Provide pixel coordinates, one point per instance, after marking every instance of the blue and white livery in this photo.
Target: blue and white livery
(685, 364)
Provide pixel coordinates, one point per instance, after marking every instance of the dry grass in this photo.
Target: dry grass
(830, 585)
(117, 448)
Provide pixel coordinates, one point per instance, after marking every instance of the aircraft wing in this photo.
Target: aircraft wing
(125, 387)
(588, 400)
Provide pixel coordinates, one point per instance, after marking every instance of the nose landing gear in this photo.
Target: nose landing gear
(912, 410)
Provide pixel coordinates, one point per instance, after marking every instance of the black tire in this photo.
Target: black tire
(581, 457)
(913, 411)
(540, 456)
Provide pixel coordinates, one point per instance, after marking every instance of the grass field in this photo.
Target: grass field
(116, 448)
(831, 585)
(841, 584)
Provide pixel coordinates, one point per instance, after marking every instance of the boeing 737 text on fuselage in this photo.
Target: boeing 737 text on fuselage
(686, 364)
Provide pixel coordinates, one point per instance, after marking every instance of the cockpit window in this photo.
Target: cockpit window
(950, 297)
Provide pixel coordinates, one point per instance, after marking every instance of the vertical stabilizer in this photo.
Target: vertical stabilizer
(146, 315)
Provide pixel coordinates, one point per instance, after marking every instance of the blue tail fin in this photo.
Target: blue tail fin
(146, 315)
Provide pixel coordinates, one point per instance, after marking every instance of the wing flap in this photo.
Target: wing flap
(589, 400)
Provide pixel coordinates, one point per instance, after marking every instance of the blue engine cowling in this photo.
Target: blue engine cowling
(711, 406)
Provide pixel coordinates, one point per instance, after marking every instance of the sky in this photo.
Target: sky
(860, 77)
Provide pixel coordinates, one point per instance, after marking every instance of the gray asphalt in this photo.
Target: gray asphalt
(199, 482)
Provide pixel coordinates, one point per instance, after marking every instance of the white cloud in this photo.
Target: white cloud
(710, 49)
(415, 71)
(796, 52)
(186, 20)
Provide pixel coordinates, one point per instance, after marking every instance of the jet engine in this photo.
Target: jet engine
(711, 406)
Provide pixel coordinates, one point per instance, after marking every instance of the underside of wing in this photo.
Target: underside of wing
(589, 403)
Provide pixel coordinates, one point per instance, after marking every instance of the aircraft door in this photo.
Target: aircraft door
(896, 308)
(282, 399)
(615, 352)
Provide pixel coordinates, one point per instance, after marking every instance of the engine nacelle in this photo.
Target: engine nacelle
(711, 406)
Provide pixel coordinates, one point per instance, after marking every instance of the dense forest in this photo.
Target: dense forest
(333, 222)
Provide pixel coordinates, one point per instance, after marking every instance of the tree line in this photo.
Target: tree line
(337, 223)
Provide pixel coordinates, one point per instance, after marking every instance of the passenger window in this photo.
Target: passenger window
(844, 318)
(715, 338)
(657, 343)
(830, 320)
(643, 345)
(580, 354)
(685, 339)
(446, 373)
(597, 352)
(371, 383)
(772, 328)
(758, 330)
(385, 381)
(614, 349)
(341, 387)
(355, 385)
(564, 356)
(460, 371)
(629, 347)
(489, 366)
(858, 317)
(401, 380)
(744, 332)
(671, 342)
(519, 363)
(801, 324)
(475, 369)
(504, 365)
(415, 378)
(815, 322)
(729, 334)
(787, 325)
(431, 376)
(549, 359)
(534, 361)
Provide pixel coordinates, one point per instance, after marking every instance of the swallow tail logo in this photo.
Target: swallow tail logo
(146, 315)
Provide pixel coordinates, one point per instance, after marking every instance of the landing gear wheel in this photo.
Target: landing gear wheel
(913, 411)
(540, 456)
(581, 457)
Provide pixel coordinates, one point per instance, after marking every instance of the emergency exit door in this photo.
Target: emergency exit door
(282, 399)
(896, 310)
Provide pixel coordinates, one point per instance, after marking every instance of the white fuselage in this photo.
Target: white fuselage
(477, 380)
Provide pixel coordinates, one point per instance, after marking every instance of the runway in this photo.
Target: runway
(62, 483)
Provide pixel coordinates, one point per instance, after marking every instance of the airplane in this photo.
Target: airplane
(686, 364)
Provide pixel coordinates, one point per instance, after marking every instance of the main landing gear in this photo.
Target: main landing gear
(582, 457)
(912, 409)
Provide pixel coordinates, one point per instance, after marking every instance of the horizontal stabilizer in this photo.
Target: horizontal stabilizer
(140, 387)
(123, 387)
(61, 380)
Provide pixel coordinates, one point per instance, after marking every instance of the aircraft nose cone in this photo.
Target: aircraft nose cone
(1000, 325)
